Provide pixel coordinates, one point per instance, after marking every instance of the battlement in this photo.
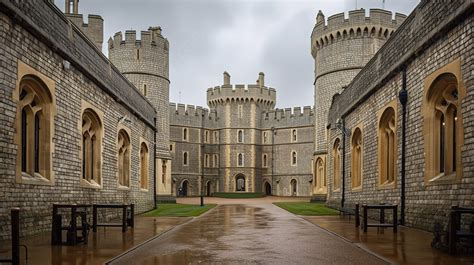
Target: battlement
(191, 111)
(93, 29)
(379, 24)
(148, 38)
(288, 113)
(257, 92)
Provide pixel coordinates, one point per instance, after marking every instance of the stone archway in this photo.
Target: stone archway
(294, 187)
(267, 188)
(209, 188)
(240, 182)
(184, 188)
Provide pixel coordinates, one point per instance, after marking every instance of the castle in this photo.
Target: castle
(391, 120)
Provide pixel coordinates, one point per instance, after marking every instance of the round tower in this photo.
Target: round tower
(145, 63)
(341, 48)
(239, 108)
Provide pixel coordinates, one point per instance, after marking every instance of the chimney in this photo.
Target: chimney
(226, 78)
(261, 79)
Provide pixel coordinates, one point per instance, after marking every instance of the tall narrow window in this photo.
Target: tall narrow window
(240, 160)
(206, 137)
(145, 92)
(293, 158)
(124, 158)
(91, 147)
(443, 129)
(264, 162)
(336, 156)
(163, 171)
(185, 158)
(35, 110)
(265, 137)
(240, 136)
(185, 134)
(356, 154)
(241, 111)
(294, 136)
(144, 166)
(387, 147)
(216, 137)
(138, 54)
(216, 160)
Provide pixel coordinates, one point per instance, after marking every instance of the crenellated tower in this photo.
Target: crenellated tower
(145, 62)
(341, 48)
(94, 29)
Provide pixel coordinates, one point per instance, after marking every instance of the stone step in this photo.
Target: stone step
(318, 198)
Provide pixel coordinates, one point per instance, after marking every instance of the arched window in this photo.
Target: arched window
(240, 136)
(293, 158)
(443, 128)
(124, 158)
(145, 92)
(320, 175)
(240, 160)
(185, 158)
(264, 162)
(216, 137)
(185, 134)
(206, 160)
(35, 113)
(216, 160)
(265, 137)
(387, 147)
(206, 137)
(91, 147)
(356, 166)
(294, 136)
(144, 157)
(336, 156)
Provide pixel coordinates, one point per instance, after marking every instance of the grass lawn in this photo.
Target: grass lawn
(306, 208)
(238, 195)
(179, 210)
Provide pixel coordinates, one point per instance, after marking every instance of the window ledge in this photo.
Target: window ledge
(143, 190)
(36, 179)
(386, 185)
(443, 179)
(120, 187)
(356, 189)
(90, 184)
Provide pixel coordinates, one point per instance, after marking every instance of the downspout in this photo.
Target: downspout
(273, 157)
(343, 197)
(403, 97)
(154, 165)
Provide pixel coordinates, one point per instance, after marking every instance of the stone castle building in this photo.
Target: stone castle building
(392, 120)
(241, 143)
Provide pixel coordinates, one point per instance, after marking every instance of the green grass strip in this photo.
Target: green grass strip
(306, 208)
(179, 210)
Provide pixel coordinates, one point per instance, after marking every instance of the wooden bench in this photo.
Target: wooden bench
(127, 219)
(15, 234)
(455, 232)
(76, 211)
(351, 211)
(382, 208)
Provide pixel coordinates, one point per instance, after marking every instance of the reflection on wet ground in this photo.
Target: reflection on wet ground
(408, 246)
(103, 245)
(248, 234)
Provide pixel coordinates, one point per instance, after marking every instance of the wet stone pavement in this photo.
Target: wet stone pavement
(248, 234)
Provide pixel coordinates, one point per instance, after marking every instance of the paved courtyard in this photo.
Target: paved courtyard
(254, 232)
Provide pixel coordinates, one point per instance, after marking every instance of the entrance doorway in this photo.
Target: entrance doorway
(268, 189)
(184, 188)
(208, 188)
(294, 187)
(240, 183)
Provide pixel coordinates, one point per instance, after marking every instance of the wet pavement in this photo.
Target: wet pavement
(250, 233)
(103, 245)
(408, 246)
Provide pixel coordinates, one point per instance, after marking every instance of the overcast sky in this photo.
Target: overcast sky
(242, 37)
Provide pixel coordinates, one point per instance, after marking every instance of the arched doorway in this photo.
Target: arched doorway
(208, 188)
(240, 183)
(184, 188)
(268, 188)
(294, 187)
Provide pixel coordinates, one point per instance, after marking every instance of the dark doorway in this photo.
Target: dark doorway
(293, 184)
(268, 189)
(240, 183)
(208, 188)
(184, 188)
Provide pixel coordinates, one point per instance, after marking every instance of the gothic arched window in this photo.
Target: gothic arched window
(356, 166)
(387, 147)
(336, 156)
(91, 147)
(144, 158)
(124, 153)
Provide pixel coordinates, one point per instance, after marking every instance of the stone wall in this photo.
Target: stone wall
(39, 37)
(436, 34)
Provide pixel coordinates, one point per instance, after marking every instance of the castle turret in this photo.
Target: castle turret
(341, 48)
(145, 62)
(94, 29)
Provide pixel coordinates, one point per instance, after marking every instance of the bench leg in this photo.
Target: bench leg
(124, 219)
(395, 219)
(365, 219)
(357, 217)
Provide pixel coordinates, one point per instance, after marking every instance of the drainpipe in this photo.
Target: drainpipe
(273, 154)
(403, 97)
(343, 197)
(202, 159)
(154, 165)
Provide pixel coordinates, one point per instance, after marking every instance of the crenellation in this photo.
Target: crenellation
(130, 37)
